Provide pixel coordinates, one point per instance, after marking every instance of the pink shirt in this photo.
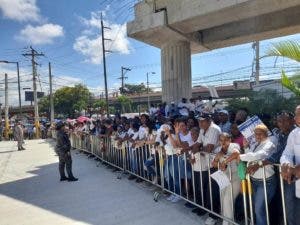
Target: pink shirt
(239, 141)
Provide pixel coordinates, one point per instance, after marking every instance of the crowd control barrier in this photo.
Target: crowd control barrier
(176, 175)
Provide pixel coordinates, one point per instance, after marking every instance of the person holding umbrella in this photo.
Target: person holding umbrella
(63, 149)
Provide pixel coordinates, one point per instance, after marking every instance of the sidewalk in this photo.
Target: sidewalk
(31, 194)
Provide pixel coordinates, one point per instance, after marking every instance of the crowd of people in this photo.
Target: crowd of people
(190, 139)
(29, 130)
(183, 108)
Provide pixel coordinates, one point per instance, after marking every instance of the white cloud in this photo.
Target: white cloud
(43, 34)
(68, 81)
(97, 91)
(89, 43)
(89, 47)
(25, 78)
(26, 81)
(20, 10)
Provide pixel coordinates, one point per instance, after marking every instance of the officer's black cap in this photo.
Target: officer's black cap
(59, 125)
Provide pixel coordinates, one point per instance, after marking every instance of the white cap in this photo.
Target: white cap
(224, 111)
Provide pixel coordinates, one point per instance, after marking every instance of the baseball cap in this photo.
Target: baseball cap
(224, 111)
(204, 116)
(59, 125)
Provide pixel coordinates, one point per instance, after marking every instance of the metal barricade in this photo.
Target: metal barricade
(53, 133)
(175, 174)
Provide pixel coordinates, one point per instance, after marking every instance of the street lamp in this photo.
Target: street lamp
(148, 89)
(19, 88)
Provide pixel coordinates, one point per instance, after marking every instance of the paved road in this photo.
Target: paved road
(30, 193)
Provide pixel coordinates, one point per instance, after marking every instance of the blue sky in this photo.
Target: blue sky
(68, 33)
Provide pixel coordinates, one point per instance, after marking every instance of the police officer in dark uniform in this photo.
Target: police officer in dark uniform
(63, 147)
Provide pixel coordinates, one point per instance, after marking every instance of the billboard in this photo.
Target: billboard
(29, 95)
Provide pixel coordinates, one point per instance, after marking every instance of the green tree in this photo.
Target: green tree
(44, 104)
(263, 102)
(290, 50)
(69, 100)
(99, 104)
(125, 103)
(130, 89)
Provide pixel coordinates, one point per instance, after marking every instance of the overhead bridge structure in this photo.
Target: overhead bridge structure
(184, 27)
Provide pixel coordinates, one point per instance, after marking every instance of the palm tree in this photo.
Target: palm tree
(290, 50)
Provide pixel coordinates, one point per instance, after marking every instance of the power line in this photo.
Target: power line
(123, 77)
(104, 63)
(33, 53)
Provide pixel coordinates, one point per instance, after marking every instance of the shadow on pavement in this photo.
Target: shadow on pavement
(1, 152)
(44, 190)
(98, 198)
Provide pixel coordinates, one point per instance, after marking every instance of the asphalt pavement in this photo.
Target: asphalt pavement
(31, 193)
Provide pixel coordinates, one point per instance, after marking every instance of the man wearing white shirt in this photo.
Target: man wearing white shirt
(199, 105)
(209, 138)
(207, 142)
(183, 107)
(153, 110)
(290, 158)
(172, 110)
(192, 105)
(224, 124)
(209, 107)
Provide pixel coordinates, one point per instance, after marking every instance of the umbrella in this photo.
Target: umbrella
(82, 119)
(56, 120)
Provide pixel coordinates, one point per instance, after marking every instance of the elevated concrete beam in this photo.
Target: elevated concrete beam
(191, 15)
(153, 29)
(184, 27)
(267, 26)
(159, 21)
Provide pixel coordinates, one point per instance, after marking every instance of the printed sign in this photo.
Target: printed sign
(221, 179)
(247, 128)
(213, 92)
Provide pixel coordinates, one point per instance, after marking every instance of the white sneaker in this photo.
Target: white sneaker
(170, 198)
(154, 180)
(175, 199)
(210, 221)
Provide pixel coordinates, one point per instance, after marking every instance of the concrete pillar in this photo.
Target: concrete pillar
(176, 71)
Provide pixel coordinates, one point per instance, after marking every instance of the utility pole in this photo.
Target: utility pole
(51, 96)
(257, 63)
(104, 63)
(6, 109)
(19, 91)
(19, 86)
(122, 78)
(148, 90)
(33, 53)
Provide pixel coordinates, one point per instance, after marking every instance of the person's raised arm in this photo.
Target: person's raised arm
(171, 138)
